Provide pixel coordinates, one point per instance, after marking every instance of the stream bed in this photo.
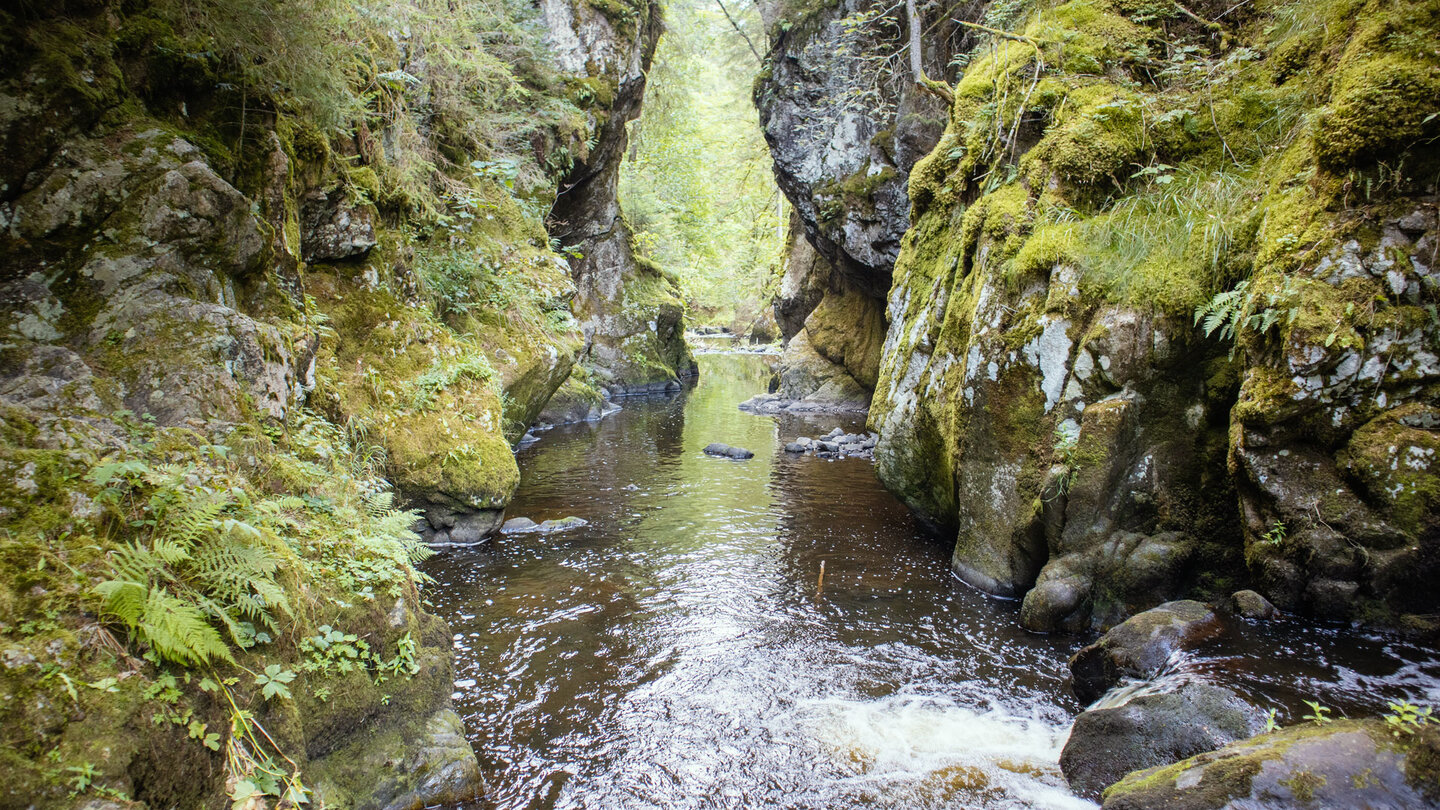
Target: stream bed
(681, 650)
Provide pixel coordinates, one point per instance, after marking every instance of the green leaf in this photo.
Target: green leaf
(105, 685)
(244, 791)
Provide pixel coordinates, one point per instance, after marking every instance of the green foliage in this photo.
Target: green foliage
(1319, 715)
(210, 556)
(697, 187)
(273, 682)
(1233, 312)
(1275, 535)
(1067, 453)
(202, 567)
(1171, 242)
(1405, 717)
(284, 50)
(444, 373)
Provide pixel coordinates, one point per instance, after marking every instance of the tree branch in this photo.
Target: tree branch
(743, 35)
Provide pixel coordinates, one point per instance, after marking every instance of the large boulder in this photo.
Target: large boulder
(1153, 729)
(1140, 647)
(1343, 764)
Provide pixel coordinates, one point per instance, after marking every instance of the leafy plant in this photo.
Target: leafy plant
(1067, 443)
(1275, 535)
(209, 559)
(82, 777)
(442, 375)
(1405, 717)
(273, 682)
(1240, 309)
(1318, 715)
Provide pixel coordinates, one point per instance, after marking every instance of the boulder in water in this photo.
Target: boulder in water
(519, 525)
(1252, 605)
(1346, 763)
(528, 526)
(1152, 730)
(726, 451)
(564, 524)
(1140, 646)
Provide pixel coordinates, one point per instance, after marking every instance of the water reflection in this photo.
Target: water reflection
(679, 651)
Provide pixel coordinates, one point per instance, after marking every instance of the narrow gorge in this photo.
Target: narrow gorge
(794, 403)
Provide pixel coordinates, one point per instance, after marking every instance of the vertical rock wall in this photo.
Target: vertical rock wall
(845, 124)
(630, 311)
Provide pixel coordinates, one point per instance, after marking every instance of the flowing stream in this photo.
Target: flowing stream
(680, 651)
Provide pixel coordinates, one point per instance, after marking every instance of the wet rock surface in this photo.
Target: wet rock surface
(449, 526)
(1140, 647)
(523, 525)
(726, 451)
(1150, 730)
(835, 444)
(1343, 764)
(772, 404)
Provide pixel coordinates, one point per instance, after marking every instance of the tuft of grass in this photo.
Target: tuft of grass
(1173, 242)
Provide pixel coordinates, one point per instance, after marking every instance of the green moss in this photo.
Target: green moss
(1398, 466)
(1095, 138)
(365, 180)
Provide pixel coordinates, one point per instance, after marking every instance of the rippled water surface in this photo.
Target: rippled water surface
(680, 651)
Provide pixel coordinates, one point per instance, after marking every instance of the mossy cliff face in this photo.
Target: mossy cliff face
(630, 311)
(844, 123)
(1047, 391)
(259, 329)
(152, 289)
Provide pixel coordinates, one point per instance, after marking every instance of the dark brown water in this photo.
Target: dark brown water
(679, 651)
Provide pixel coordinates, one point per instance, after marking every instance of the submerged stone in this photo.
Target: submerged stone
(726, 451)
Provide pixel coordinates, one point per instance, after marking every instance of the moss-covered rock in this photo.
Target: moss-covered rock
(1150, 730)
(1345, 763)
(1049, 364)
(252, 324)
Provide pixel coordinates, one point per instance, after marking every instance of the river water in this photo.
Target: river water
(681, 651)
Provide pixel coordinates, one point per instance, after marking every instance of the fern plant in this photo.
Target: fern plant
(209, 564)
(1234, 311)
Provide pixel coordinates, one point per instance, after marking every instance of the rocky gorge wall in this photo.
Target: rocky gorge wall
(1164, 318)
(240, 330)
(629, 309)
(845, 126)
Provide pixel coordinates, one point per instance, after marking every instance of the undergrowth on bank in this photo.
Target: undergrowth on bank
(169, 566)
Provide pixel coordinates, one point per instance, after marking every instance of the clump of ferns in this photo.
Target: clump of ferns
(202, 558)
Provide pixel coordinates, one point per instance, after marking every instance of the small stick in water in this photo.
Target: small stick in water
(821, 584)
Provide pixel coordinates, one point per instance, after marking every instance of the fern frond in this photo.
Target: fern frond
(197, 518)
(124, 600)
(178, 631)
